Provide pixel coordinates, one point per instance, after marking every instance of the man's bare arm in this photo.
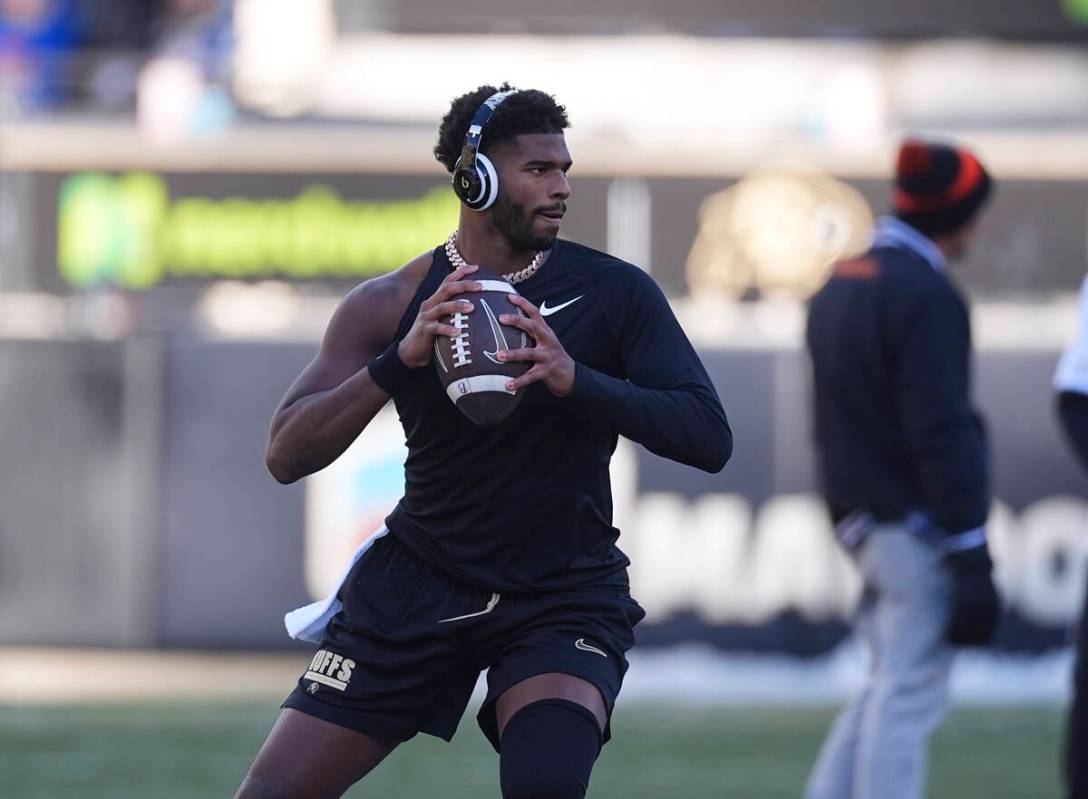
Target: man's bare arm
(334, 398)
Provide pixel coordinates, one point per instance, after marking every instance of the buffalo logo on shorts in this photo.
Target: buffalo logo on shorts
(329, 669)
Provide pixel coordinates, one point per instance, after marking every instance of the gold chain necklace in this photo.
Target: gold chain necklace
(512, 278)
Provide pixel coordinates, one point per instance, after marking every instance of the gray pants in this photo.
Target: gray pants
(877, 746)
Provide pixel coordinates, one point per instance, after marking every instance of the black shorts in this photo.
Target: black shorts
(403, 654)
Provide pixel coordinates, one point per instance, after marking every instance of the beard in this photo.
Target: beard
(515, 224)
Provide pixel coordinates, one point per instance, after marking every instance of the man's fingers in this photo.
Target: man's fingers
(528, 307)
(522, 354)
(447, 308)
(530, 377)
(448, 292)
(537, 329)
(458, 287)
(439, 329)
(459, 273)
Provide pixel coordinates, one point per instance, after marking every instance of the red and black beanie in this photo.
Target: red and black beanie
(938, 189)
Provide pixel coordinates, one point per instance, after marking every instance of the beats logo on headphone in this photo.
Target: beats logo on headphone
(475, 180)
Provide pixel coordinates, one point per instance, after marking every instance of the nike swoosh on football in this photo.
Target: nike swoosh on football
(496, 333)
(546, 311)
(581, 644)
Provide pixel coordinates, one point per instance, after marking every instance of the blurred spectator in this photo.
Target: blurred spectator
(119, 36)
(121, 24)
(905, 469)
(198, 31)
(183, 86)
(37, 40)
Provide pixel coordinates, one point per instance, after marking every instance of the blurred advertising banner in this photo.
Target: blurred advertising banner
(773, 231)
(141, 230)
(746, 560)
(138, 230)
(139, 495)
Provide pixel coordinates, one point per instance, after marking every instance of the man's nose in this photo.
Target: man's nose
(561, 187)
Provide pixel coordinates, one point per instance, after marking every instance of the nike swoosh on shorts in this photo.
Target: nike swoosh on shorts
(581, 644)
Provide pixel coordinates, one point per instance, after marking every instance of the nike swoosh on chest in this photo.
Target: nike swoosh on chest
(548, 310)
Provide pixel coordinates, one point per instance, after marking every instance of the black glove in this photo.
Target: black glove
(976, 606)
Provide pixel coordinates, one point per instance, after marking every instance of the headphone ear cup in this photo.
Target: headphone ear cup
(478, 188)
(489, 183)
(466, 184)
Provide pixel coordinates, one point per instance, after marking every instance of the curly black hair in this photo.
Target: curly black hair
(528, 111)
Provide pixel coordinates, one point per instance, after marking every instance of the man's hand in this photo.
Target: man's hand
(976, 607)
(551, 364)
(416, 348)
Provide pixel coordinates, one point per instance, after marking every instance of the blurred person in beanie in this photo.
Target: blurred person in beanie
(1071, 384)
(904, 469)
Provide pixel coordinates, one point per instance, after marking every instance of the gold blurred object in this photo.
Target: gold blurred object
(776, 231)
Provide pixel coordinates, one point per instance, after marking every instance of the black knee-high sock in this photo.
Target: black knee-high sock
(548, 751)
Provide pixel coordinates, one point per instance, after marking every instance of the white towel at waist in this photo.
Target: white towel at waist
(308, 622)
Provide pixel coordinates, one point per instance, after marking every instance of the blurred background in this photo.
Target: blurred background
(187, 189)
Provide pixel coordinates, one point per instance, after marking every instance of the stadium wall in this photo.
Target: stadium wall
(151, 520)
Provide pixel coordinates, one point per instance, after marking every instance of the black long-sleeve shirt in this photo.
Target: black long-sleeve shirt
(526, 505)
(890, 342)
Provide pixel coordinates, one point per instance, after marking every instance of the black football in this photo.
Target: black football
(468, 366)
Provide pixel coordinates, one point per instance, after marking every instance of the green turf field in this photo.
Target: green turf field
(171, 751)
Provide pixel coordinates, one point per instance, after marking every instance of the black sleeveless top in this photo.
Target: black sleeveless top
(526, 505)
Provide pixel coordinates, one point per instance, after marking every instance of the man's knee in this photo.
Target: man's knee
(548, 751)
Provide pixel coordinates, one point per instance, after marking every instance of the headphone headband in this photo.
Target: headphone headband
(475, 134)
(472, 178)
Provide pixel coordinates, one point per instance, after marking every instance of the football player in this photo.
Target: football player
(501, 554)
